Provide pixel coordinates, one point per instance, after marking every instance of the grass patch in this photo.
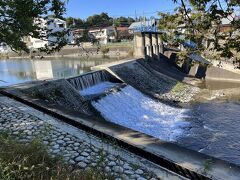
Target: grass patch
(104, 50)
(32, 161)
(179, 87)
(208, 165)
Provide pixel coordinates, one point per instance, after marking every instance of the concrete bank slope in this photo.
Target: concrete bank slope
(187, 163)
(141, 75)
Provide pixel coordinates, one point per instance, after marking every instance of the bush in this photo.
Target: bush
(31, 161)
(130, 52)
(104, 50)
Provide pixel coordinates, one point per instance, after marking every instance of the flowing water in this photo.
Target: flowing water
(214, 130)
(88, 80)
(211, 128)
(22, 70)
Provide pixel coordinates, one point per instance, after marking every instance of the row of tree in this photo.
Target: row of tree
(98, 20)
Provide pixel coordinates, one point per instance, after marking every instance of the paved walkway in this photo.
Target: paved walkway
(77, 147)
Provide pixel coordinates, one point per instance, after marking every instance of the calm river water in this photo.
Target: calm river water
(22, 70)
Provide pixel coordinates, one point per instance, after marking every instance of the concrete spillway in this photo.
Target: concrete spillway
(90, 79)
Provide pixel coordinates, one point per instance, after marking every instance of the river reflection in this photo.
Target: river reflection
(22, 70)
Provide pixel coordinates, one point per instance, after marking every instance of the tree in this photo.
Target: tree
(18, 20)
(75, 22)
(99, 20)
(202, 24)
(123, 21)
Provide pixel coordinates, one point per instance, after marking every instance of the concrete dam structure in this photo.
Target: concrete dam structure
(148, 107)
(129, 102)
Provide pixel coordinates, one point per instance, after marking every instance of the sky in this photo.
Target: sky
(116, 8)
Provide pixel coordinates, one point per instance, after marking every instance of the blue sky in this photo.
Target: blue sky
(116, 8)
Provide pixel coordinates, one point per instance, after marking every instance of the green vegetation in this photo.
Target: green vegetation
(200, 21)
(31, 161)
(98, 20)
(208, 164)
(104, 50)
(179, 87)
(18, 21)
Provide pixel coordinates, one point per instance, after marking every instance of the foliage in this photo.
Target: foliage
(98, 20)
(201, 22)
(130, 52)
(208, 165)
(104, 50)
(123, 21)
(179, 87)
(75, 22)
(18, 19)
(31, 161)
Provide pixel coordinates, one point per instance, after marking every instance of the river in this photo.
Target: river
(14, 71)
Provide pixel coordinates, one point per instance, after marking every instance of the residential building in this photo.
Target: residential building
(4, 48)
(123, 34)
(77, 33)
(103, 35)
(51, 24)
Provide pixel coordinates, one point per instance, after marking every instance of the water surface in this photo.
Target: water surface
(14, 71)
(214, 130)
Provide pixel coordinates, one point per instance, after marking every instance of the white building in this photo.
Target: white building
(53, 25)
(104, 35)
(3, 48)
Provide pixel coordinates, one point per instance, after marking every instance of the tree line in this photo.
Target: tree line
(201, 20)
(99, 20)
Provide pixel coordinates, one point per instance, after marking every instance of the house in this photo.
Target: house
(104, 35)
(149, 25)
(226, 25)
(77, 34)
(53, 25)
(123, 34)
(4, 48)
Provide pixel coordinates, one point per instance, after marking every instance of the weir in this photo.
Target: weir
(135, 131)
(90, 79)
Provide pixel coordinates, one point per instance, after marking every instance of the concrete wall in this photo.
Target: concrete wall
(212, 72)
(215, 73)
(147, 45)
(138, 47)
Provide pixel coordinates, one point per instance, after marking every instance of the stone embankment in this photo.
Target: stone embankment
(78, 148)
(75, 51)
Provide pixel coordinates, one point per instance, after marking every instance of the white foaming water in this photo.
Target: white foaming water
(97, 89)
(132, 109)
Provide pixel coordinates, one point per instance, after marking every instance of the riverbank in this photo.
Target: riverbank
(114, 50)
(79, 149)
